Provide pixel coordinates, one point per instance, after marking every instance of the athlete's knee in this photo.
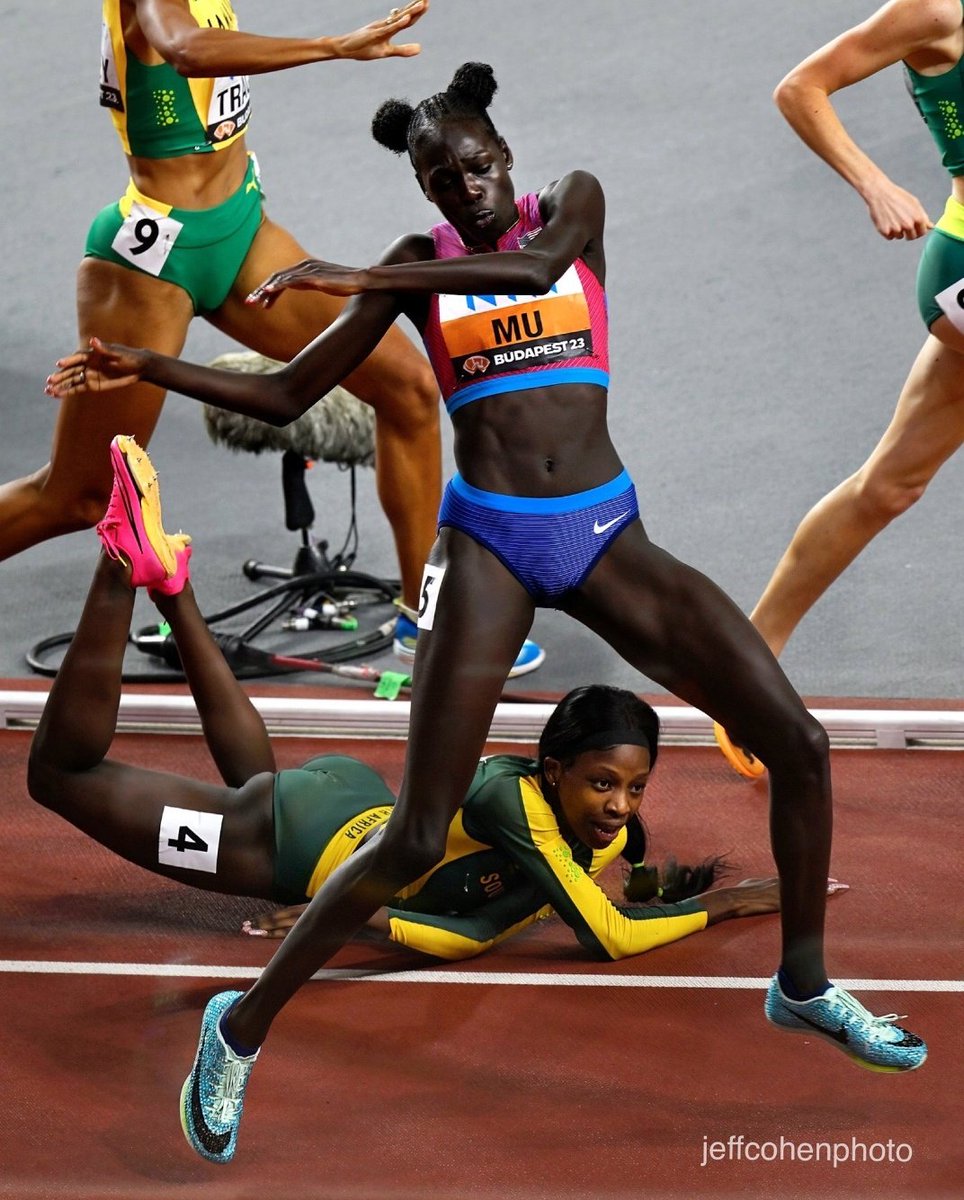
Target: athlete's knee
(881, 498)
(44, 780)
(410, 404)
(87, 509)
(421, 389)
(801, 748)
(71, 508)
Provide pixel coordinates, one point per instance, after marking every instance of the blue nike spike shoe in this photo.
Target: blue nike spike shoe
(530, 657)
(213, 1094)
(877, 1043)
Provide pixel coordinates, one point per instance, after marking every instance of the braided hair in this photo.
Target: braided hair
(400, 127)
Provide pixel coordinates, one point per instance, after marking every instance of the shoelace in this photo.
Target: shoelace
(854, 1005)
(227, 1096)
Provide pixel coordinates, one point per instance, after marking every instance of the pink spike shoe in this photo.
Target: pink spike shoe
(131, 530)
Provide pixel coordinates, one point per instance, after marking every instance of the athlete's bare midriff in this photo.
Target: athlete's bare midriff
(192, 180)
(549, 441)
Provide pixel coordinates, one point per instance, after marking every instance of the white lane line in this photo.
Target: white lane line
(490, 978)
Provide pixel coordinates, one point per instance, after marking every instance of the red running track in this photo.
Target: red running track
(420, 1090)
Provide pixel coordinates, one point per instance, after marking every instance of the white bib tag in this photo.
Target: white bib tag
(146, 238)
(428, 595)
(951, 301)
(229, 109)
(110, 92)
(189, 839)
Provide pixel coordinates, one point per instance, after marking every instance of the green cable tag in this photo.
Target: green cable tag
(164, 629)
(391, 684)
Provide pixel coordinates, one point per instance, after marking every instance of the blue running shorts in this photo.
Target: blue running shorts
(550, 544)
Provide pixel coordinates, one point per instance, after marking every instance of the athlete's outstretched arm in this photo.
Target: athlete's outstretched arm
(278, 397)
(575, 210)
(892, 34)
(202, 52)
(575, 214)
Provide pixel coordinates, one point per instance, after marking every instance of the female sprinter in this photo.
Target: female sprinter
(508, 295)
(190, 237)
(928, 424)
(279, 835)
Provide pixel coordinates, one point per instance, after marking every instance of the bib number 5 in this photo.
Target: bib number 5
(428, 595)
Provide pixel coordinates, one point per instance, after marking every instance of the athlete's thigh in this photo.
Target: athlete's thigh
(206, 835)
(681, 630)
(928, 423)
(297, 317)
(474, 616)
(117, 305)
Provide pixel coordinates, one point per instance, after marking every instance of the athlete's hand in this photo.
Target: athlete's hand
(100, 369)
(897, 214)
(752, 898)
(277, 924)
(375, 40)
(310, 275)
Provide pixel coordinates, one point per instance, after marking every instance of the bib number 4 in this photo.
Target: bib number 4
(189, 839)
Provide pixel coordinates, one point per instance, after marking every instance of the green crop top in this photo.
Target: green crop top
(157, 112)
(940, 101)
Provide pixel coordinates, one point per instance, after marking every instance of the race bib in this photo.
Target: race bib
(495, 334)
(428, 595)
(189, 839)
(146, 238)
(951, 301)
(229, 108)
(110, 91)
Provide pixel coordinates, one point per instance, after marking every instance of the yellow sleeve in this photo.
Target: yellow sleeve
(524, 825)
(458, 936)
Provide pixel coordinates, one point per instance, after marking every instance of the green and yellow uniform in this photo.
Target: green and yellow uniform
(507, 863)
(940, 274)
(159, 114)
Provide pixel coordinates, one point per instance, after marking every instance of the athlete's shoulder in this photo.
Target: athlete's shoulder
(577, 196)
(506, 766)
(499, 775)
(579, 181)
(943, 15)
(411, 247)
(918, 21)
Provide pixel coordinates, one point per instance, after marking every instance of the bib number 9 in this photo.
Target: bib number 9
(146, 233)
(146, 238)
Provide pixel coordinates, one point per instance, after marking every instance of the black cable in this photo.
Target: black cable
(245, 660)
(36, 662)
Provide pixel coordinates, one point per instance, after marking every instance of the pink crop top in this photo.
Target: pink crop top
(483, 345)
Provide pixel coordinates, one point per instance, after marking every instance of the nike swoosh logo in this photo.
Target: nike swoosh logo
(215, 1142)
(130, 512)
(838, 1035)
(597, 528)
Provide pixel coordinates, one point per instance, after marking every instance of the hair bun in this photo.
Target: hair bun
(476, 80)
(390, 125)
